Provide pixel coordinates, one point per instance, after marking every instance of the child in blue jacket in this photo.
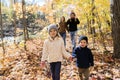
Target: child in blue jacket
(84, 58)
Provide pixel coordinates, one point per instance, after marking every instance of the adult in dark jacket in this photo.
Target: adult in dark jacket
(72, 24)
(84, 58)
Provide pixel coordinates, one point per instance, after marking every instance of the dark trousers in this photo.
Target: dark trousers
(55, 70)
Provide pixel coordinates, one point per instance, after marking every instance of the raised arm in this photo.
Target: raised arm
(77, 21)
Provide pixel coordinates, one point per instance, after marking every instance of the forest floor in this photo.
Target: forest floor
(25, 65)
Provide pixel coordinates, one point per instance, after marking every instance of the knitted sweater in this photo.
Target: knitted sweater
(54, 50)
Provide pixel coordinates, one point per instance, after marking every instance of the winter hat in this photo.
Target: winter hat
(83, 38)
(52, 26)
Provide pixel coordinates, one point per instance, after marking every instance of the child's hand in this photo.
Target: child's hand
(71, 59)
(91, 68)
(42, 64)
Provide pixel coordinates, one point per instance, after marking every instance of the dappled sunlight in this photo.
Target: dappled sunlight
(24, 28)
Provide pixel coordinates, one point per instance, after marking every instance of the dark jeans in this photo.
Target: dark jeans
(55, 68)
(64, 37)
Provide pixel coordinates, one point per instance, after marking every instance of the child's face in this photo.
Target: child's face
(83, 43)
(53, 33)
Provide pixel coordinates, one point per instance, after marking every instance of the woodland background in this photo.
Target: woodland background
(23, 29)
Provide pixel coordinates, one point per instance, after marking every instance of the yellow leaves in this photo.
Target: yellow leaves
(21, 44)
(105, 3)
(43, 9)
(56, 1)
(1, 63)
(18, 9)
(43, 34)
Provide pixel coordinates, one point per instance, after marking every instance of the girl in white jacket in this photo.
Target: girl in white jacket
(54, 51)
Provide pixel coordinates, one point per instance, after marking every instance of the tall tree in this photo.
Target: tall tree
(115, 17)
(1, 29)
(15, 26)
(1, 33)
(92, 28)
(24, 23)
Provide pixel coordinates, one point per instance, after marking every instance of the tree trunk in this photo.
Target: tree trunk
(88, 23)
(27, 33)
(1, 33)
(115, 18)
(92, 23)
(1, 29)
(15, 26)
(24, 24)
